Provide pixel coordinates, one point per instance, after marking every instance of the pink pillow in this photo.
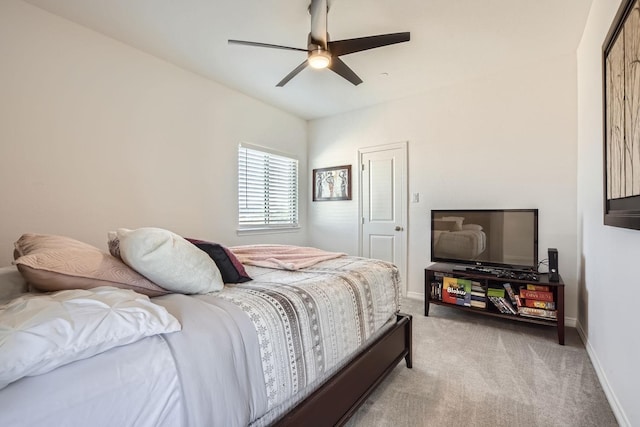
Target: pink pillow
(54, 263)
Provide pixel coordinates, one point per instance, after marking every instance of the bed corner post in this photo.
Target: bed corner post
(408, 338)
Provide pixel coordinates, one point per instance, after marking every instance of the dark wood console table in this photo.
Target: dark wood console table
(435, 274)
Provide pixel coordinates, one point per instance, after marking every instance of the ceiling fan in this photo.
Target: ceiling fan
(322, 53)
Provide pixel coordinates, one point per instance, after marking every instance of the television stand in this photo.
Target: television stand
(439, 277)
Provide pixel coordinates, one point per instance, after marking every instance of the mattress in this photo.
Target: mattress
(244, 356)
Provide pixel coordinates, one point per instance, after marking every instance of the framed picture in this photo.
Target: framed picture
(332, 183)
(621, 101)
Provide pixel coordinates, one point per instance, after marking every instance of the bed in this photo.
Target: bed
(289, 347)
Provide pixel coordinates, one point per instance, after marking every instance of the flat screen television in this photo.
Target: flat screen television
(504, 238)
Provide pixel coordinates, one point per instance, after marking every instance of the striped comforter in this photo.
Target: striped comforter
(310, 321)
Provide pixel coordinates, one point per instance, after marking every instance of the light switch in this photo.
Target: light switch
(416, 198)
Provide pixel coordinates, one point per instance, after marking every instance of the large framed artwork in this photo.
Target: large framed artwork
(332, 183)
(621, 87)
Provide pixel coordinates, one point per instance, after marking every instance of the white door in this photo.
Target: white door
(383, 205)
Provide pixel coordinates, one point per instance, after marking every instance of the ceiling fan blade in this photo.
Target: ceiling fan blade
(340, 68)
(292, 74)
(318, 10)
(257, 44)
(345, 47)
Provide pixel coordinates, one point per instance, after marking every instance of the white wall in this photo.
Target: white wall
(96, 135)
(503, 141)
(609, 269)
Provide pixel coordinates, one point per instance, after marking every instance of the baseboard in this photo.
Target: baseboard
(580, 330)
(570, 321)
(618, 412)
(416, 295)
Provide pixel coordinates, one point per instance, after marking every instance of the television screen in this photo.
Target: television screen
(506, 238)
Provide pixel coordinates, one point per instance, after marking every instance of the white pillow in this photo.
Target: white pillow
(39, 333)
(12, 284)
(169, 260)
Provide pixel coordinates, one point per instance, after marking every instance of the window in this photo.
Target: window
(267, 189)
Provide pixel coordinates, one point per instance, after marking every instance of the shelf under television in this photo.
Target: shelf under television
(526, 319)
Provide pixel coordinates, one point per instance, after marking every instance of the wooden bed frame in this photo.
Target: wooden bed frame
(341, 396)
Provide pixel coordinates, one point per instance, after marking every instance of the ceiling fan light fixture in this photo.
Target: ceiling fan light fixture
(323, 53)
(319, 59)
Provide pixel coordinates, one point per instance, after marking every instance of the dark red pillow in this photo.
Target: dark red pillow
(231, 269)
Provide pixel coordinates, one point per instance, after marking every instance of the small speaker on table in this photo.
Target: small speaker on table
(553, 265)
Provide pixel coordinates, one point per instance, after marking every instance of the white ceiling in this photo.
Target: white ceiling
(451, 40)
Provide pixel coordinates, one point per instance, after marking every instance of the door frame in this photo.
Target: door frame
(404, 217)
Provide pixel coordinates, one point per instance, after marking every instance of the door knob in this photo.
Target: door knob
(398, 228)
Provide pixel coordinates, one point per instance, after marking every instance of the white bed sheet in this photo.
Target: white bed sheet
(208, 374)
(120, 387)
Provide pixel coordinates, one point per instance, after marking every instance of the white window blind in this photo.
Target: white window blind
(267, 189)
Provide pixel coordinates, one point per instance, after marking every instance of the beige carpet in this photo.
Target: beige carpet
(472, 370)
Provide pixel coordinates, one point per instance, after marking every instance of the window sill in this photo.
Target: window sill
(266, 230)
